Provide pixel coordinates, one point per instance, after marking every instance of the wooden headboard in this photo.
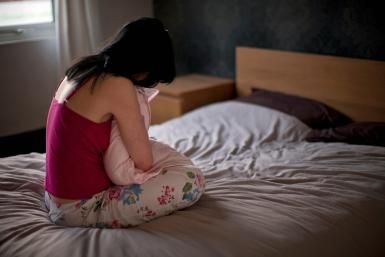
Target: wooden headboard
(355, 87)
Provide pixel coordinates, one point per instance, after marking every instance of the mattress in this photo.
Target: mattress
(268, 193)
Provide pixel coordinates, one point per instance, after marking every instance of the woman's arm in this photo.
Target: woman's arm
(121, 99)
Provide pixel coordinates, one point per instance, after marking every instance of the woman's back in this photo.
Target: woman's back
(83, 100)
(77, 137)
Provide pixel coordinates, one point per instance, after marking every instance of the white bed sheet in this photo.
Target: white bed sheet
(268, 194)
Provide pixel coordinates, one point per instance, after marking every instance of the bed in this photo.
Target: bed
(269, 191)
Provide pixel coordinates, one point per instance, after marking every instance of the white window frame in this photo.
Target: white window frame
(28, 32)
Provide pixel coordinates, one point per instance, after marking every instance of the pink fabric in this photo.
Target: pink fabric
(120, 167)
(74, 146)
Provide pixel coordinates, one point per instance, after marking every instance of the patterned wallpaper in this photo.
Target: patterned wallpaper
(205, 33)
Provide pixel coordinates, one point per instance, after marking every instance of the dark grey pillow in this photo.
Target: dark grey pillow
(311, 112)
(361, 133)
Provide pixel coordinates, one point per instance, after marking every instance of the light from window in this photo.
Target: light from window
(25, 12)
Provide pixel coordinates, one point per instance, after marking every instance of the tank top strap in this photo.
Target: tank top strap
(76, 88)
(68, 91)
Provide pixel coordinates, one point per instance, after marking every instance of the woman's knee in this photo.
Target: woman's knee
(193, 186)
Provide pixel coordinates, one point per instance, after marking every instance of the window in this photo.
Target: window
(22, 20)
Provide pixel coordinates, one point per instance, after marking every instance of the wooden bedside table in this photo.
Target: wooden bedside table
(188, 92)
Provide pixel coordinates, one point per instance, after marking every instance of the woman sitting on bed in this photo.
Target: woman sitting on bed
(102, 169)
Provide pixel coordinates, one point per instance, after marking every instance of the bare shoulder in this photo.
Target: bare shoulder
(115, 89)
(117, 92)
(112, 86)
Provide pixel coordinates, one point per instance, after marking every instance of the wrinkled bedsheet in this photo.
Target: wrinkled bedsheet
(268, 193)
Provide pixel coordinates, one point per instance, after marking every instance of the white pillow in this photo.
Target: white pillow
(229, 121)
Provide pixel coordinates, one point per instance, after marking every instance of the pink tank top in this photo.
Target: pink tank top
(75, 147)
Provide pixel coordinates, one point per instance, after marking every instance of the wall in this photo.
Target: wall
(115, 13)
(205, 33)
(27, 81)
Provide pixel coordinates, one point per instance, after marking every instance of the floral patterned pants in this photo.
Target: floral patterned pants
(125, 206)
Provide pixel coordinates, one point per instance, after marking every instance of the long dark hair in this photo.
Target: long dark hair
(141, 46)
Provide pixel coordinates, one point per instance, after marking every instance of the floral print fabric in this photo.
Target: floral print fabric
(125, 206)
